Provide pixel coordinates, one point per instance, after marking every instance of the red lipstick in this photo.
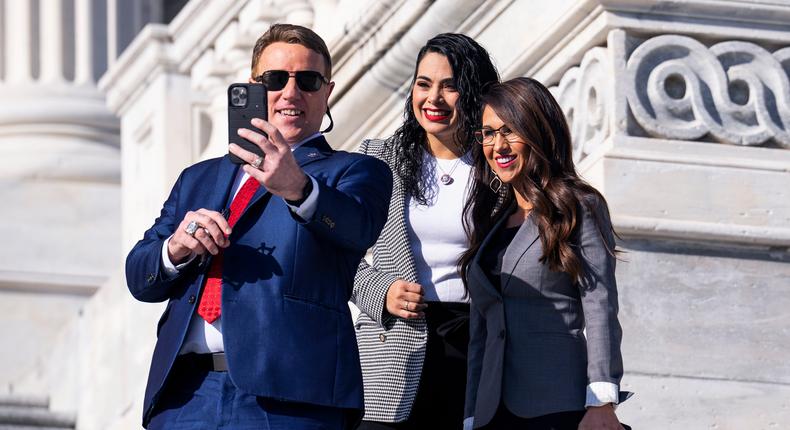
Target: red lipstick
(436, 118)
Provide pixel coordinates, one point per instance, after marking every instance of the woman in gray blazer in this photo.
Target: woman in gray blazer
(540, 269)
(413, 331)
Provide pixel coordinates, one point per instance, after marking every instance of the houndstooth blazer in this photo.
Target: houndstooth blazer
(391, 349)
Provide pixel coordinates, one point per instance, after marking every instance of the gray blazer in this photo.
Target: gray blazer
(527, 343)
(391, 349)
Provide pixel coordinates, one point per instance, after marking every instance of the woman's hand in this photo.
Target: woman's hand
(405, 299)
(600, 418)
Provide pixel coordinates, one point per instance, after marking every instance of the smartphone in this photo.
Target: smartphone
(245, 102)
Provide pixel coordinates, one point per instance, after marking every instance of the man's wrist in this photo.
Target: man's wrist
(306, 189)
(173, 258)
(171, 268)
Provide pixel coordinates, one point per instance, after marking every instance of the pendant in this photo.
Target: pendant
(446, 179)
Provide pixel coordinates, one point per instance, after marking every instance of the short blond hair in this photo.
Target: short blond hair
(290, 33)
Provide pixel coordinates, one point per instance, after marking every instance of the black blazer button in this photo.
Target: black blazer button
(151, 278)
(382, 337)
(501, 334)
(191, 299)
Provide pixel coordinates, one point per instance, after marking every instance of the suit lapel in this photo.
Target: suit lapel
(224, 177)
(475, 268)
(259, 194)
(395, 230)
(524, 239)
(400, 212)
(219, 196)
(312, 150)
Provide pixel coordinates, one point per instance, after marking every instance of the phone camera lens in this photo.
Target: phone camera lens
(238, 96)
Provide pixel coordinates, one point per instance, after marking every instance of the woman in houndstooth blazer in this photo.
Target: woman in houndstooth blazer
(413, 331)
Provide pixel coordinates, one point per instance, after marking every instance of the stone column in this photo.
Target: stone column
(50, 39)
(18, 64)
(83, 43)
(59, 177)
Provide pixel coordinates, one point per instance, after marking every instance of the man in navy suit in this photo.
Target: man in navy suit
(257, 264)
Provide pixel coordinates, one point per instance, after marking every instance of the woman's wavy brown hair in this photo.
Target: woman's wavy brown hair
(548, 180)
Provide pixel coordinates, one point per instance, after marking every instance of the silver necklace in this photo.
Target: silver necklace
(447, 177)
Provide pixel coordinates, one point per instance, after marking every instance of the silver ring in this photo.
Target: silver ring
(256, 163)
(191, 228)
(406, 305)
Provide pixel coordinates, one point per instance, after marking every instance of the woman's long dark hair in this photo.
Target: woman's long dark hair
(472, 70)
(548, 180)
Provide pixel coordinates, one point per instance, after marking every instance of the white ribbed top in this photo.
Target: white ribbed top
(436, 234)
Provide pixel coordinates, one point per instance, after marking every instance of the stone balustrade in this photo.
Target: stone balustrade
(677, 88)
(731, 92)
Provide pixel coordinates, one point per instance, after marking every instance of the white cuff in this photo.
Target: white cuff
(308, 207)
(170, 269)
(468, 423)
(601, 393)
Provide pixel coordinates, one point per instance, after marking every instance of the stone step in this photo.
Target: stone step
(14, 417)
(25, 401)
(15, 427)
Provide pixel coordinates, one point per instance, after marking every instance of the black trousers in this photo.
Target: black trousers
(505, 420)
(440, 398)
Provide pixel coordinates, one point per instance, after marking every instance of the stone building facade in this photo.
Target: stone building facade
(680, 113)
(60, 182)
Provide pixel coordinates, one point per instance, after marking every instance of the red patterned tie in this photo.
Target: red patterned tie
(210, 306)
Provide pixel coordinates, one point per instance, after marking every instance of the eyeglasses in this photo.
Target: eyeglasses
(485, 136)
(306, 80)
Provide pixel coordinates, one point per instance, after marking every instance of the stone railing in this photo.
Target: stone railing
(668, 119)
(675, 87)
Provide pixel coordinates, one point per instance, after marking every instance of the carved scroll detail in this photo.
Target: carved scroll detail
(584, 93)
(737, 92)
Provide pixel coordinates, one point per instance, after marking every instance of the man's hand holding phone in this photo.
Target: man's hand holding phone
(278, 170)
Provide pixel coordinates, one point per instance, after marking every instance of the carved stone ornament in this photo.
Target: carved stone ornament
(584, 93)
(732, 92)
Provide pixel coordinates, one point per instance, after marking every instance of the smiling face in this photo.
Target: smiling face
(506, 156)
(297, 114)
(434, 98)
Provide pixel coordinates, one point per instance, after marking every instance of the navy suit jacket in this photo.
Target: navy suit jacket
(286, 282)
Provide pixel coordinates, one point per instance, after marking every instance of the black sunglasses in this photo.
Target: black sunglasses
(306, 80)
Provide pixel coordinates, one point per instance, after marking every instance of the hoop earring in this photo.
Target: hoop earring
(495, 184)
